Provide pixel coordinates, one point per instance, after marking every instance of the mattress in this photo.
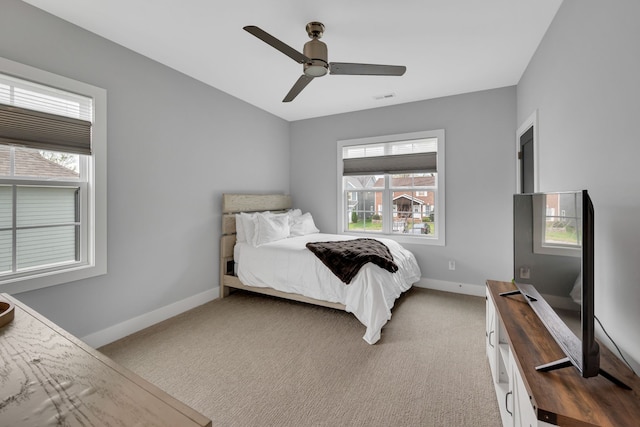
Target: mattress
(288, 266)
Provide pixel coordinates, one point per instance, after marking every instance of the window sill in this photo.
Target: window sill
(51, 278)
(400, 238)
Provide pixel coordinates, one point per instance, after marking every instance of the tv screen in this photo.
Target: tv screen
(553, 267)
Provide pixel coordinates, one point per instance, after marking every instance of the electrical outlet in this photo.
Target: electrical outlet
(452, 265)
(525, 273)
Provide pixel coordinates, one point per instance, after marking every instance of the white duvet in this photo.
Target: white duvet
(288, 266)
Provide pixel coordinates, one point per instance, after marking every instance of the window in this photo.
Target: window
(393, 186)
(52, 179)
(556, 224)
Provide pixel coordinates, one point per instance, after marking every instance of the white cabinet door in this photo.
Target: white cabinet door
(490, 335)
(498, 355)
(521, 405)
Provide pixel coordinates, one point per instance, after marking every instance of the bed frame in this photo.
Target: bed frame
(236, 203)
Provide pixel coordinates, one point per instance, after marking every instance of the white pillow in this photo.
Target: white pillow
(270, 228)
(240, 235)
(248, 226)
(293, 214)
(303, 225)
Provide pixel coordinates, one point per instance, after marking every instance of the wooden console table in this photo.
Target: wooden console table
(49, 377)
(561, 397)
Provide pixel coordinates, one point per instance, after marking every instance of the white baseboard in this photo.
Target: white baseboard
(455, 287)
(128, 327)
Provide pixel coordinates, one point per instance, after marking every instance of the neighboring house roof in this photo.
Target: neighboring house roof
(410, 198)
(31, 163)
(418, 181)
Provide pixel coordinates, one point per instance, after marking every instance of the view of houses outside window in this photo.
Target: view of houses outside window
(392, 185)
(561, 220)
(39, 208)
(557, 222)
(412, 197)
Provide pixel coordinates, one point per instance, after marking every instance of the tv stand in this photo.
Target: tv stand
(566, 339)
(518, 341)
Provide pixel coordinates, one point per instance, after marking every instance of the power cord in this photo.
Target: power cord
(614, 344)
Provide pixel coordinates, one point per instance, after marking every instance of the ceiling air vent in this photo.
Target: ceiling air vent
(385, 96)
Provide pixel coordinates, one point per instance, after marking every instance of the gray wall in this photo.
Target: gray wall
(583, 80)
(480, 177)
(174, 146)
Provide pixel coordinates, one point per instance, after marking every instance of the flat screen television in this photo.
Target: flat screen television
(554, 256)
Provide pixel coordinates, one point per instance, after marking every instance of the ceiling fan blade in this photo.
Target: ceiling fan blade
(274, 42)
(349, 68)
(300, 84)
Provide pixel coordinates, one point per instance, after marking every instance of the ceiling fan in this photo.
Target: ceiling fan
(315, 62)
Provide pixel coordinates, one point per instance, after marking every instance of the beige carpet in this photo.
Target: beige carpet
(251, 360)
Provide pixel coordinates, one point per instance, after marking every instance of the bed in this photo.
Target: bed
(286, 268)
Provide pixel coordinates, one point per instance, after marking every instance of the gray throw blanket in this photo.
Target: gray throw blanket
(345, 258)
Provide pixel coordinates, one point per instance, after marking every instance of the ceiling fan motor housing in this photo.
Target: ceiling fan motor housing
(317, 52)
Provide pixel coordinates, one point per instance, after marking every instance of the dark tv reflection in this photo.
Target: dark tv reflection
(554, 268)
(548, 247)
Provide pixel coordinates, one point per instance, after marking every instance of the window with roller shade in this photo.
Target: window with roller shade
(48, 218)
(393, 186)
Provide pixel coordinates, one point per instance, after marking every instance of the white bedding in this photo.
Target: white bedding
(288, 266)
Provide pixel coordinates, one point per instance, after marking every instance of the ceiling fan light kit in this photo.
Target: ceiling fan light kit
(315, 59)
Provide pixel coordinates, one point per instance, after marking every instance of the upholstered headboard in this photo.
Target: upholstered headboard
(236, 203)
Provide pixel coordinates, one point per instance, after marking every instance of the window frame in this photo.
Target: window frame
(95, 205)
(439, 213)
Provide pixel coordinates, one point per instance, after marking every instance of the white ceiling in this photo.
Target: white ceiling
(448, 46)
